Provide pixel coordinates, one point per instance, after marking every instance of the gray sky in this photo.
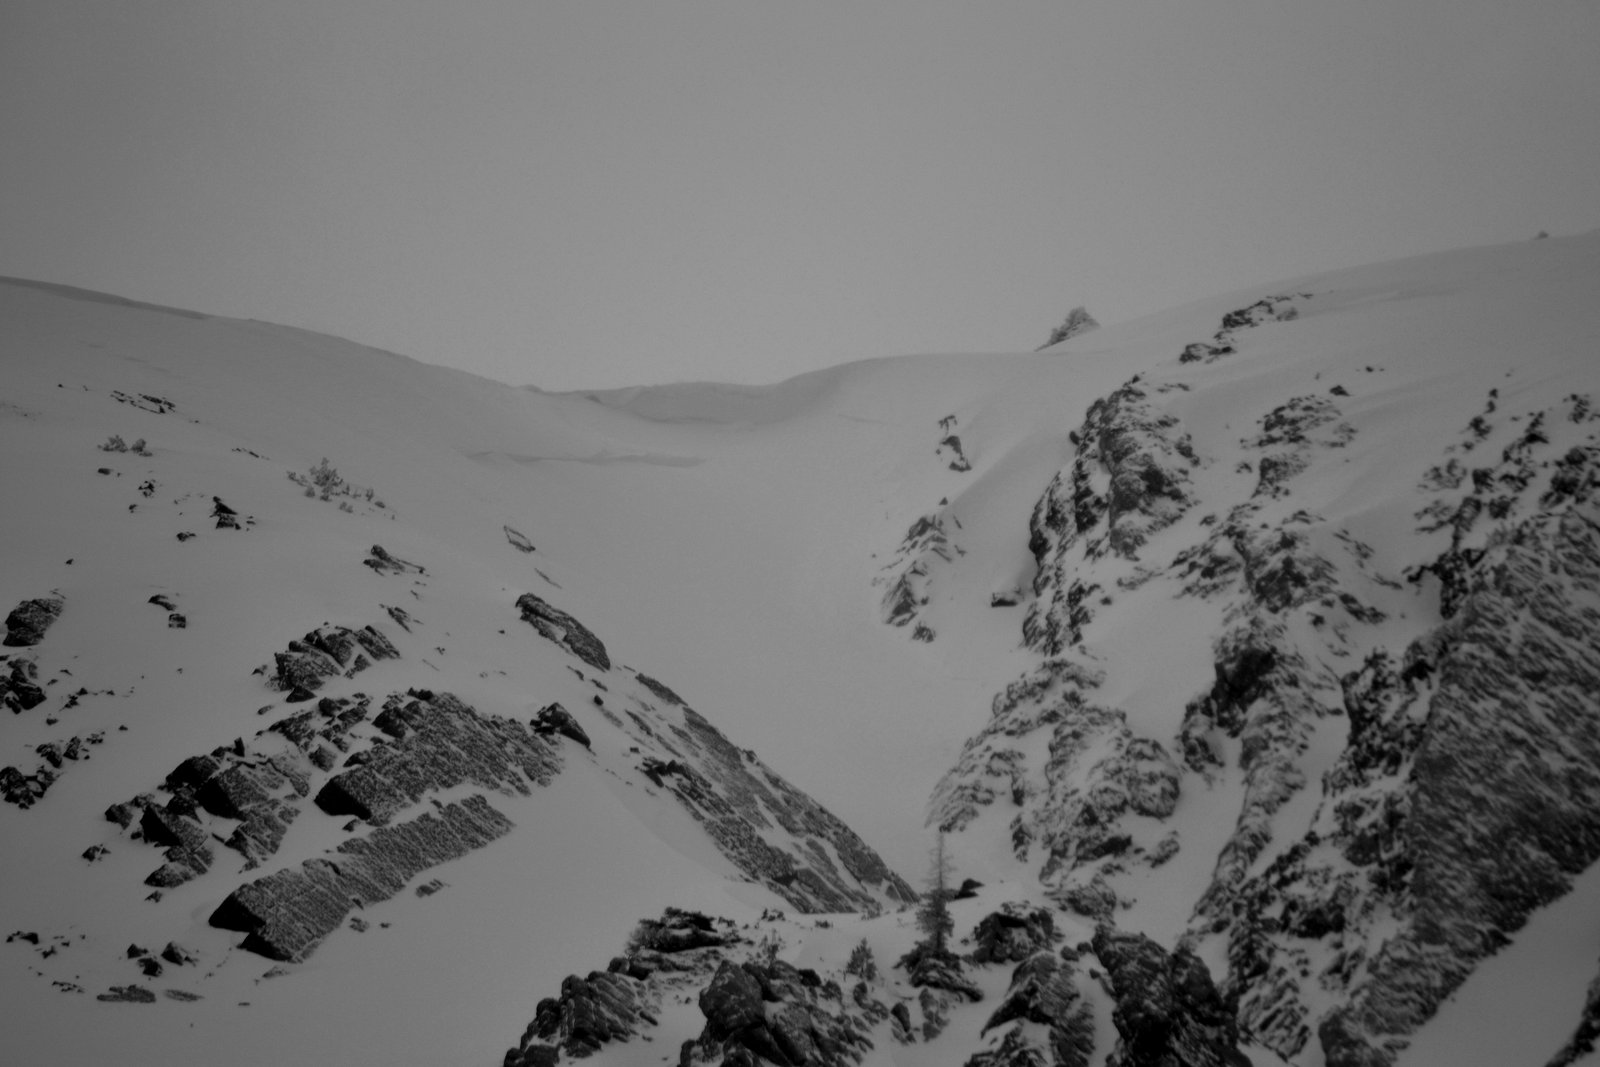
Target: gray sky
(597, 193)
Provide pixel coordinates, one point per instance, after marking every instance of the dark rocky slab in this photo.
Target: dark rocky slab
(556, 625)
(288, 913)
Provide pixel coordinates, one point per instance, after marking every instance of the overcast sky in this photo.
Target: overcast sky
(597, 193)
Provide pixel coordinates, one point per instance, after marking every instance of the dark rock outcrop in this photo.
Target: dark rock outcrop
(736, 798)
(19, 685)
(25, 790)
(943, 971)
(227, 518)
(127, 994)
(1168, 1009)
(287, 914)
(1279, 308)
(28, 621)
(329, 652)
(1501, 806)
(907, 577)
(1129, 479)
(767, 1012)
(188, 850)
(382, 562)
(555, 719)
(1045, 992)
(1078, 321)
(678, 931)
(1097, 771)
(440, 743)
(590, 1012)
(553, 624)
(518, 540)
(1012, 934)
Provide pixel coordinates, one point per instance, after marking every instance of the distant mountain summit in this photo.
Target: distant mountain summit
(1223, 697)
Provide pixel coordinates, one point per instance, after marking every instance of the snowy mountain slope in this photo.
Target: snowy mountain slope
(1211, 627)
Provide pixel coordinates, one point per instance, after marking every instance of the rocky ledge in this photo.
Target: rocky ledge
(285, 915)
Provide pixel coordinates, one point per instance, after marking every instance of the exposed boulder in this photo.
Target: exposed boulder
(178, 956)
(19, 685)
(768, 1012)
(1012, 934)
(28, 621)
(555, 719)
(553, 624)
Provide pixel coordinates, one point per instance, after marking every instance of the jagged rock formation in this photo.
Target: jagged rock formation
(1279, 308)
(672, 954)
(327, 652)
(556, 625)
(28, 621)
(555, 719)
(770, 1012)
(757, 1008)
(438, 743)
(589, 1013)
(1286, 700)
(1096, 771)
(1051, 994)
(285, 915)
(1168, 1010)
(908, 576)
(1353, 931)
(1131, 469)
(419, 743)
(1078, 321)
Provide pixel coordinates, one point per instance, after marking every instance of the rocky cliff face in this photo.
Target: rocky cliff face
(1368, 870)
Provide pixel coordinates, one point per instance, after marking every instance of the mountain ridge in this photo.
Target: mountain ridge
(1136, 658)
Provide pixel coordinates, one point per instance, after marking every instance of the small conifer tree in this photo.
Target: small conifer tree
(933, 914)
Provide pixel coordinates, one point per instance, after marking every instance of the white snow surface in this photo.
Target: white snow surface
(721, 539)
